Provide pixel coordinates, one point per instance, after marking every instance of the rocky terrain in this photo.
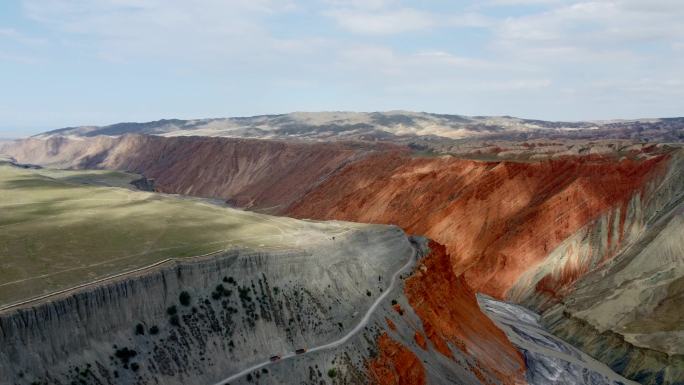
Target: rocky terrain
(201, 319)
(584, 232)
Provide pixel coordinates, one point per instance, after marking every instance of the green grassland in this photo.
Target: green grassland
(62, 228)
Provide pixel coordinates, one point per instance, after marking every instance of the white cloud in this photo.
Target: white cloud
(597, 25)
(381, 17)
(122, 29)
(382, 22)
(522, 2)
(563, 53)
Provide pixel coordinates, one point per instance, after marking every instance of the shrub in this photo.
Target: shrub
(368, 293)
(332, 373)
(135, 366)
(184, 298)
(394, 302)
(171, 310)
(139, 329)
(174, 320)
(154, 330)
(125, 355)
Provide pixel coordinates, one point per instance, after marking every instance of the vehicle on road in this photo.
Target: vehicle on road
(300, 351)
(275, 358)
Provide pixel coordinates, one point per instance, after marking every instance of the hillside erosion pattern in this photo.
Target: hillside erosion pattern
(200, 321)
(257, 174)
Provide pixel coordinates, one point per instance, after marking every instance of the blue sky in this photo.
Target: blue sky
(78, 62)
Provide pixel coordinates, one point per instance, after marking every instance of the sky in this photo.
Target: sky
(94, 62)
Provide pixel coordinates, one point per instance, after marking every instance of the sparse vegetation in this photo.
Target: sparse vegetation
(125, 354)
(184, 298)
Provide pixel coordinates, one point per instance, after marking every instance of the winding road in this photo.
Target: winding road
(336, 343)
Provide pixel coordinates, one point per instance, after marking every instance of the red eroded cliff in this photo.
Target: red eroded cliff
(450, 313)
(496, 219)
(258, 174)
(395, 364)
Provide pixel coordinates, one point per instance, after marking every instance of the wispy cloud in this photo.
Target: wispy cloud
(384, 17)
(382, 22)
(561, 59)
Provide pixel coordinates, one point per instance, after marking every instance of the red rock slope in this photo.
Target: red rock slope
(450, 313)
(257, 174)
(496, 219)
(395, 365)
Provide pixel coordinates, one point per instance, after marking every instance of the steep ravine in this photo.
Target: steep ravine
(529, 232)
(522, 231)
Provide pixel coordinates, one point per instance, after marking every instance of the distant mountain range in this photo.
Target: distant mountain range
(391, 126)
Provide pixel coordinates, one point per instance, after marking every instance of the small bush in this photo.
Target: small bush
(154, 330)
(225, 279)
(125, 355)
(184, 298)
(394, 302)
(368, 293)
(332, 373)
(135, 366)
(171, 310)
(174, 320)
(139, 329)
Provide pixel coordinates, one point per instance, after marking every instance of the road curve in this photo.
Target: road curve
(338, 342)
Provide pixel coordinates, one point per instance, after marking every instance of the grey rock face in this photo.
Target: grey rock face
(240, 308)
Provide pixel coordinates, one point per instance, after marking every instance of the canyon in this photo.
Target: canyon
(542, 262)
